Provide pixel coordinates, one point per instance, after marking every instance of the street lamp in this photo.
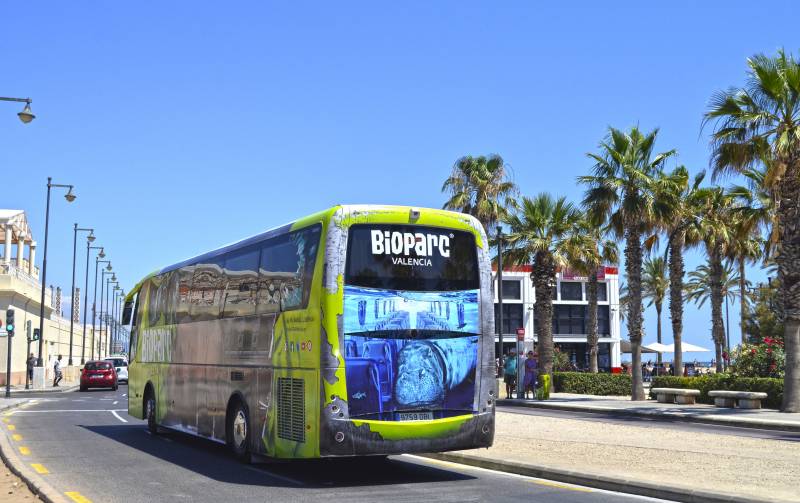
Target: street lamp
(103, 281)
(97, 262)
(109, 320)
(89, 239)
(26, 115)
(69, 197)
(500, 288)
(86, 295)
(115, 311)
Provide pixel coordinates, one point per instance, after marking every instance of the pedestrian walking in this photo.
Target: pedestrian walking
(649, 371)
(510, 374)
(29, 364)
(57, 371)
(531, 374)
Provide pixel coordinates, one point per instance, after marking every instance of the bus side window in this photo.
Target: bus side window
(286, 271)
(241, 278)
(205, 297)
(184, 288)
(153, 304)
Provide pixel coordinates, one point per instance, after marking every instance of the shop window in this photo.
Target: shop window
(571, 290)
(513, 318)
(602, 292)
(512, 289)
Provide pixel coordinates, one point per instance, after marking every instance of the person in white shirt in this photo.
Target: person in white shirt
(57, 371)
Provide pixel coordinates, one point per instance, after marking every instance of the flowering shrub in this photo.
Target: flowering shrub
(760, 360)
(561, 361)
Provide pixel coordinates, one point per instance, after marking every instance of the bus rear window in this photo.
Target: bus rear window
(411, 257)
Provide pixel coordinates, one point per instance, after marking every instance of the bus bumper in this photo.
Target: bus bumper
(350, 437)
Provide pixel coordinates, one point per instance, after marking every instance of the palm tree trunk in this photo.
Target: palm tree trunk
(717, 324)
(743, 311)
(658, 330)
(676, 295)
(788, 259)
(591, 318)
(633, 270)
(544, 277)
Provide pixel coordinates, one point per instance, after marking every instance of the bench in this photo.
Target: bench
(679, 395)
(744, 399)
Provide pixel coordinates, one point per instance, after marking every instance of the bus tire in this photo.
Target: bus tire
(150, 411)
(237, 431)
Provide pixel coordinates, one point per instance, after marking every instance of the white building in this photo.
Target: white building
(569, 314)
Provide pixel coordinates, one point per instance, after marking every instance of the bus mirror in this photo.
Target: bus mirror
(126, 313)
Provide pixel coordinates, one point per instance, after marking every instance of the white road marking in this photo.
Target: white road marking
(124, 394)
(115, 402)
(275, 475)
(525, 477)
(118, 416)
(79, 400)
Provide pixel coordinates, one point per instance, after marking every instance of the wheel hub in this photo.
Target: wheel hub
(239, 428)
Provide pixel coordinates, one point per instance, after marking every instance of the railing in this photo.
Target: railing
(21, 275)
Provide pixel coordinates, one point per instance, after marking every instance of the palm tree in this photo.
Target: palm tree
(754, 216)
(715, 224)
(542, 233)
(746, 247)
(621, 189)
(655, 285)
(759, 125)
(700, 288)
(593, 251)
(677, 216)
(480, 187)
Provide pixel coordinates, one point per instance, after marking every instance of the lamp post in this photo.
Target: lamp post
(86, 296)
(115, 330)
(26, 115)
(90, 238)
(500, 288)
(69, 196)
(97, 262)
(109, 319)
(102, 311)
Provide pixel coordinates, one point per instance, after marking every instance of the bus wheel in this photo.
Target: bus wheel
(238, 431)
(150, 412)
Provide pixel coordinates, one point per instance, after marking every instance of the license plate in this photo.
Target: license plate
(96, 377)
(415, 416)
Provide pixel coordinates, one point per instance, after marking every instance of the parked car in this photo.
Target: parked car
(120, 367)
(98, 374)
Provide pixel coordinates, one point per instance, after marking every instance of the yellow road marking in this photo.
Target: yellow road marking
(40, 468)
(24, 451)
(11, 427)
(78, 497)
(17, 437)
(560, 486)
(5, 420)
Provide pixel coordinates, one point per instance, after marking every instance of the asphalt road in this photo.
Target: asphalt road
(92, 449)
(660, 422)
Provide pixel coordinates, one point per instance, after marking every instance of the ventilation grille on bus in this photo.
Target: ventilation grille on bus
(291, 409)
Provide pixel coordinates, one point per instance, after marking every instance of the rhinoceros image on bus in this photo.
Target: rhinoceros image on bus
(359, 330)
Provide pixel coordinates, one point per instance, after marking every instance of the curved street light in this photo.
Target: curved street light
(69, 196)
(86, 292)
(89, 239)
(26, 116)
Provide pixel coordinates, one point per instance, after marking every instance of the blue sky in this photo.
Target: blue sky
(185, 126)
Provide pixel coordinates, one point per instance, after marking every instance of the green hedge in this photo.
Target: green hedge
(592, 384)
(772, 387)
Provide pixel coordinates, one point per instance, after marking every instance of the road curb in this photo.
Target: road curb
(33, 480)
(688, 418)
(622, 485)
(59, 389)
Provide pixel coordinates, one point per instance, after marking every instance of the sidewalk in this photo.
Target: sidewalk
(62, 387)
(769, 419)
(642, 459)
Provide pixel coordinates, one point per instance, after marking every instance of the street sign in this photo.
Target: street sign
(520, 334)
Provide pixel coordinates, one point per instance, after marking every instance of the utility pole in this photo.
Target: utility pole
(500, 289)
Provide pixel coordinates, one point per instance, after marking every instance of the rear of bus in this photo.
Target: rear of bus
(414, 328)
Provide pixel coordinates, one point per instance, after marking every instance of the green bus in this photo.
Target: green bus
(358, 330)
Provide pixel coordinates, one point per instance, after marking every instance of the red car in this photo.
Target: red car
(98, 374)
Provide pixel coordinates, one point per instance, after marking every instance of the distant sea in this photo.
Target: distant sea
(703, 359)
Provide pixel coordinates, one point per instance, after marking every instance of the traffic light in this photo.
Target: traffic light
(10, 322)
(35, 334)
